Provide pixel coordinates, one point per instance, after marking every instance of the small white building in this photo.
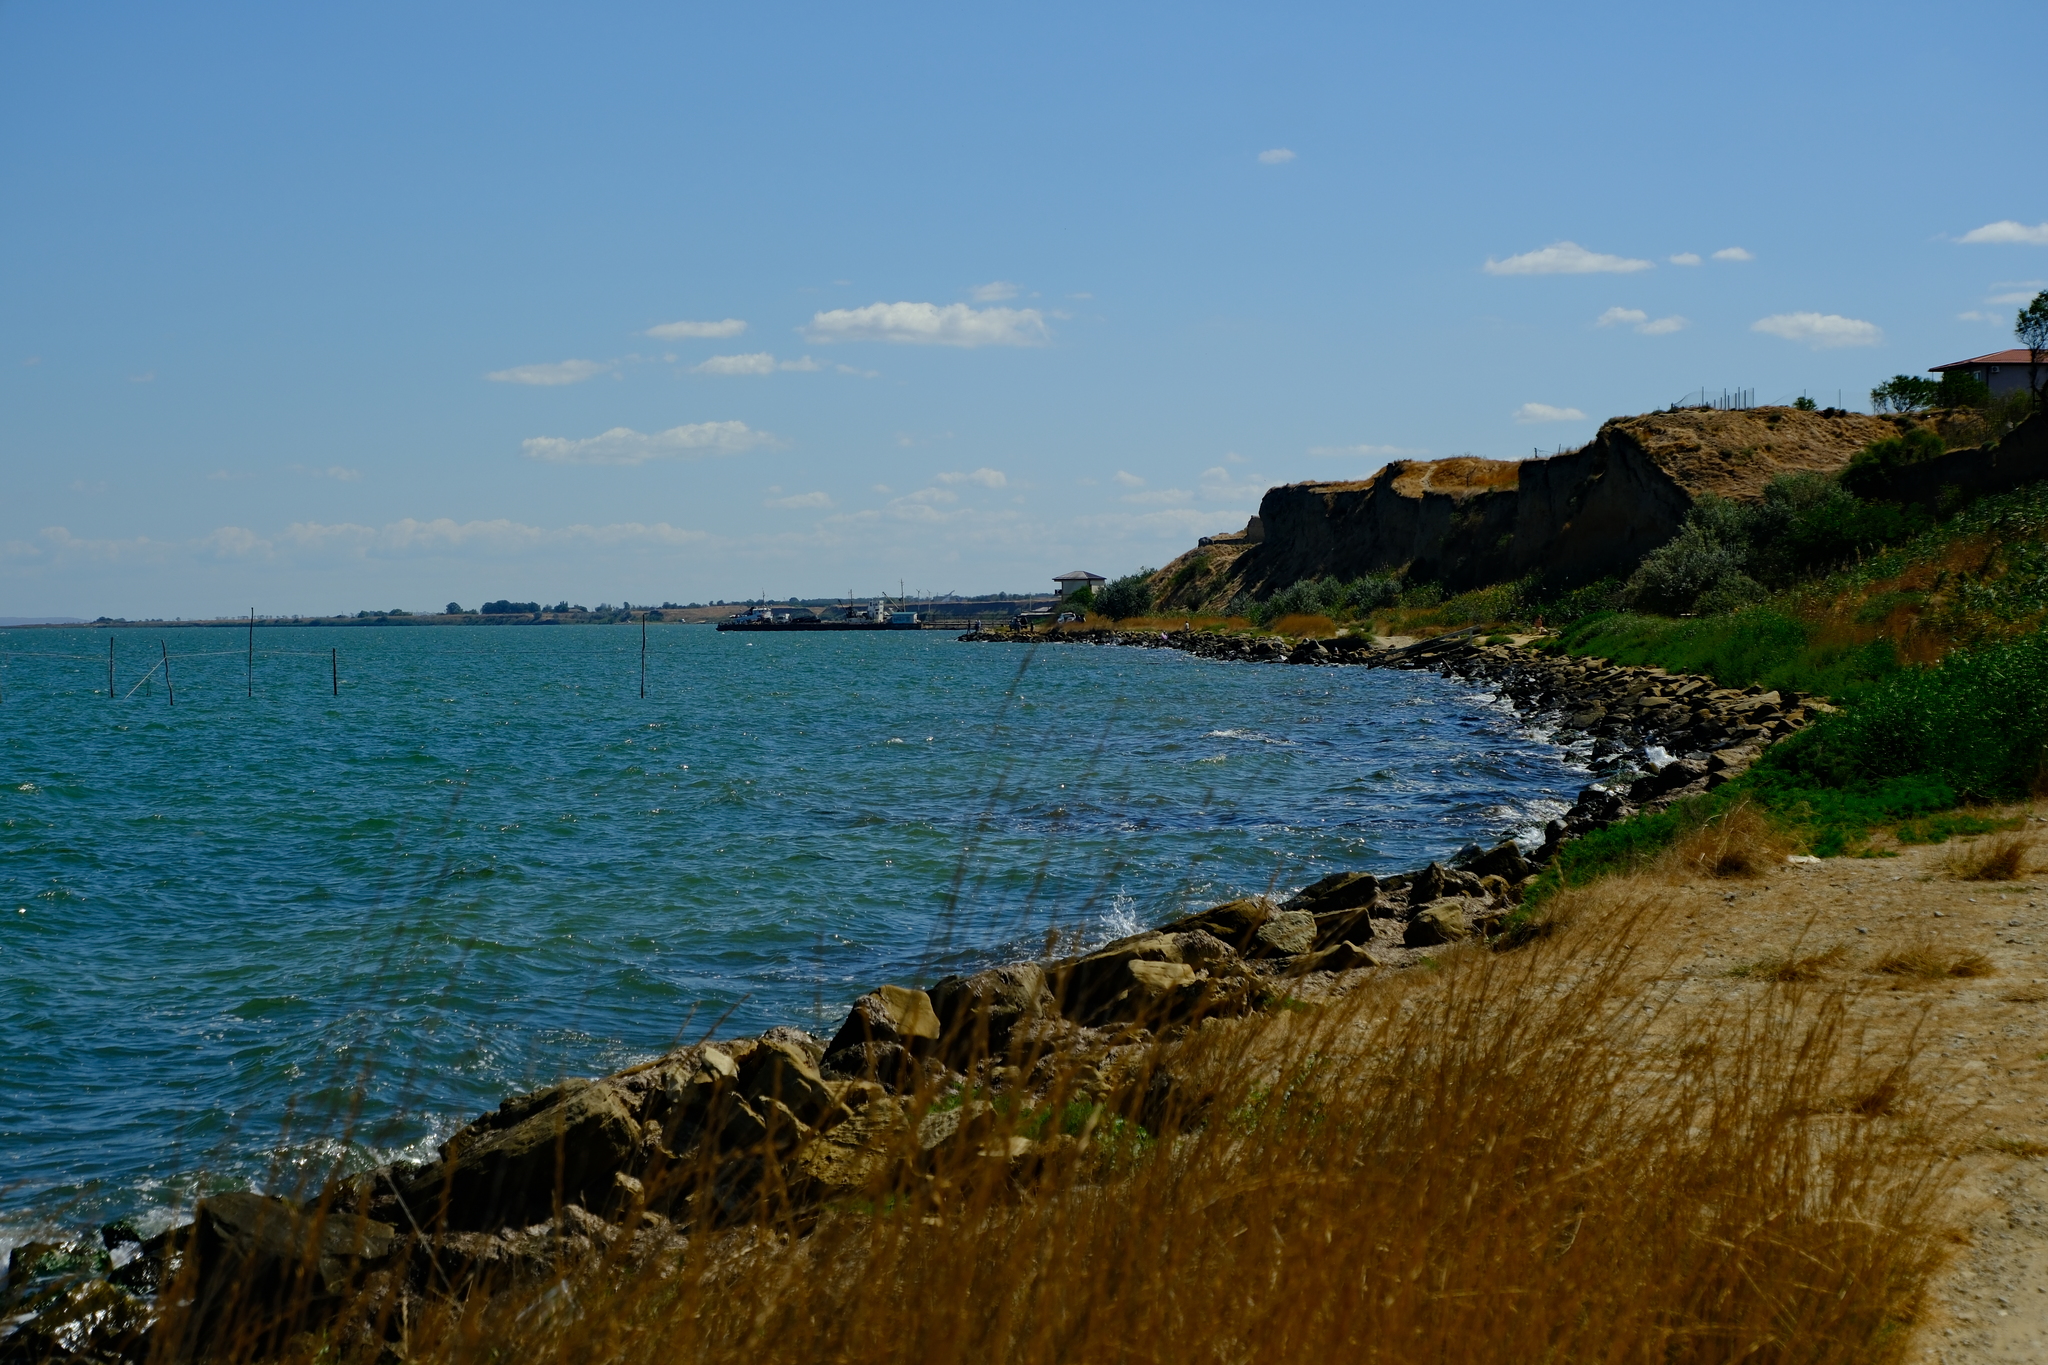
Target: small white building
(2002, 372)
(1067, 584)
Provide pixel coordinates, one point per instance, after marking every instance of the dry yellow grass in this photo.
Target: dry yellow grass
(1740, 842)
(1495, 1159)
(1994, 858)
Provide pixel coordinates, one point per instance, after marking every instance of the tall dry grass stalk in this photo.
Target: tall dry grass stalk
(1510, 1157)
(1739, 842)
(1995, 858)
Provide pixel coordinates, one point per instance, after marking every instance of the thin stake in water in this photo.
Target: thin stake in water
(169, 690)
(335, 661)
(643, 656)
(110, 667)
(252, 652)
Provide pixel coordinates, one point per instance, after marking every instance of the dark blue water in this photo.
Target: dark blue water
(237, 935)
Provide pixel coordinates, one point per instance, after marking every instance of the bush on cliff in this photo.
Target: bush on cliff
(1331, 597)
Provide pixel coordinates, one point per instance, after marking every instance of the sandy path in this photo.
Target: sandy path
(1984, 1040)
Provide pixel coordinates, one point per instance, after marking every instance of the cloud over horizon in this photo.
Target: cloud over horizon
(1544, 412)
(549, 375)
(931, 324)
(681, 331)
(624, 446)
(986, 477)
(1275, 156)
(1642, 322)
(1821, 331)
(2008, 230)
(1565, 258)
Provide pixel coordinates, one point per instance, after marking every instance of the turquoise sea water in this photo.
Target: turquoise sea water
(239, 935)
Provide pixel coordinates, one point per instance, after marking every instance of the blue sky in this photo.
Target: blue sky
(314, 308)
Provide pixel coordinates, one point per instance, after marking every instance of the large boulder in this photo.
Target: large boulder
(1503, 860)
(1083, 986)
(1340, 891)
(889, 1014)
(539, 1152)
(267, 1265)
(1446, 920)
(978, 1014)
(1234, 922)
(780, 1072)
(1287, 934)
(1437, 881)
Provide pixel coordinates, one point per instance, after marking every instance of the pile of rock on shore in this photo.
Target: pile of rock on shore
(784, 1125)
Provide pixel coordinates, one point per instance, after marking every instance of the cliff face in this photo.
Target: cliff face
(1569, 518)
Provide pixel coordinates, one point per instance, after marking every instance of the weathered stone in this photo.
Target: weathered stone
(892, 1014)
(1233, 921)
(1437, 881)
(781, 1071)
(257, 1258)
(1503, 860)
(853, 1158)
(85, 1320)
(1284, 935)
(978, 1014)
(888, 1065)
(1496, 890)
(1337, 892)
(560, 1152)
(1440, 921)
(1338, 957)
(1083, 986)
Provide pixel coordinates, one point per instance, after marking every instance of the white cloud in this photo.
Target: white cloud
(930, 324)
(806, 365)
(1544, 412)
(559, 372)
(2023, 294)
(678, 331)
(759, 362)
(1640, 321)
(1974, 315)
(1684, 258)
(1821, 331)
(1129, 480)
(995, 291)
(797, 500)
(1733, 253)
(395, 540)
(1083, 295)
(2007, 230)
(624, 446)
(148, 377)
(986, 477)
(1565, 258)
(1275, 156)
(1369, 451)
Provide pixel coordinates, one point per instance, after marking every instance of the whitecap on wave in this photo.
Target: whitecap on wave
(1253, 736)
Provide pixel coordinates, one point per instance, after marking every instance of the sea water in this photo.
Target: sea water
(245, 937)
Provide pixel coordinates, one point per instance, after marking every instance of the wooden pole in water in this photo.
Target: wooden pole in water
(336, 662)
(171, 691)
(110, 665)
(252, 652)
(643, 656)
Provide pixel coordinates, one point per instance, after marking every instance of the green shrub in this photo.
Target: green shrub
(1329, 597)
(1975, 724)
(1872, 467)
(1128, 596)
(1961, 389)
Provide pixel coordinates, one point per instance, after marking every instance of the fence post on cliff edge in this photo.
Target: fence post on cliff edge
(335, 662)
(169, 690)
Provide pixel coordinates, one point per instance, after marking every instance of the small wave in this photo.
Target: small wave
(1252, 736)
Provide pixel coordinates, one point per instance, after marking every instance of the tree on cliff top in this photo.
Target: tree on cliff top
(2031, 327)
(1126, 597)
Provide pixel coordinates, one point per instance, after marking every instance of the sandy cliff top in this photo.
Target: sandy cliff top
(1736, 454)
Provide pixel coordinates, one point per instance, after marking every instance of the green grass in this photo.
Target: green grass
(1757, 645)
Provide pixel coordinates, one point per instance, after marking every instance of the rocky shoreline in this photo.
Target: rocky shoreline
(774, 1129)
